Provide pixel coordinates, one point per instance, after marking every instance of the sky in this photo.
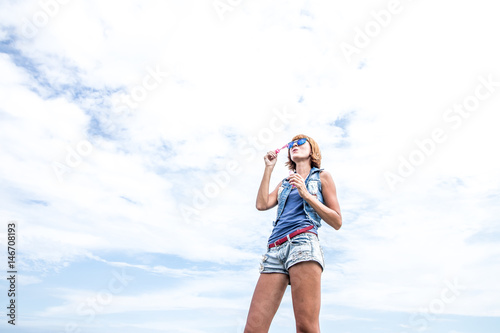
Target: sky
(132, 140)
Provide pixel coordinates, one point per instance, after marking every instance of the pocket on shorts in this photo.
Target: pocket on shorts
(302, 239)
(261, 266)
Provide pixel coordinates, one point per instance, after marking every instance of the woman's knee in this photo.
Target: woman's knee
(254, 325)
(307, 325)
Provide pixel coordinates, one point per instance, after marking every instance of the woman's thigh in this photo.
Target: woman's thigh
(265, 301)
(305, 280)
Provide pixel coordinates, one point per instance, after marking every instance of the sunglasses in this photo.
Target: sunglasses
(299, 142)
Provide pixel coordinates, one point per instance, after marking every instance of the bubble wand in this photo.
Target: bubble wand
(277, 151)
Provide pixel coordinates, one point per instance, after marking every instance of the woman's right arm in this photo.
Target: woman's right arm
(266, 200)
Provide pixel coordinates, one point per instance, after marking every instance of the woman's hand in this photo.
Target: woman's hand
(271, 158)
(266, 200)
(296, 180)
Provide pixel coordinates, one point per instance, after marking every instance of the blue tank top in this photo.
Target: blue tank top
(293, 218)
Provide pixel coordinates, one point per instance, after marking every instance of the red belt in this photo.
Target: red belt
(290, 236)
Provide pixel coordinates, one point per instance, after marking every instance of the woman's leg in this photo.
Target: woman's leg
(265, 301)
(305, 280)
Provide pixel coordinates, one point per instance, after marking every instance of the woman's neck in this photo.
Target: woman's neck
(303, 168)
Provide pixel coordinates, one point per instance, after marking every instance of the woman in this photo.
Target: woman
(294, 255)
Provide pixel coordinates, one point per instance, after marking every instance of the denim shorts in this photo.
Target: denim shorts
(303, 247)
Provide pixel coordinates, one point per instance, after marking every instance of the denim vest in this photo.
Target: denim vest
(313, 185)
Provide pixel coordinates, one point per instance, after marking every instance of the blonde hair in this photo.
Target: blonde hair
(315, 153)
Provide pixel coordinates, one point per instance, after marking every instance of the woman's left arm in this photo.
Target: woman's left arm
(330, 210)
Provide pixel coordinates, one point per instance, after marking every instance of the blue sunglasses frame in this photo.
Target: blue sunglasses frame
(299, 142)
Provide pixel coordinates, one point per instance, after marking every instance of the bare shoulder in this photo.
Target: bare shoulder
(327, 181)
(326, 176)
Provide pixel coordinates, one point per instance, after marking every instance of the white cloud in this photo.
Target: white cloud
(224, 80)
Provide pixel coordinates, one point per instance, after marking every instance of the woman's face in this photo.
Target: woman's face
(300, 152)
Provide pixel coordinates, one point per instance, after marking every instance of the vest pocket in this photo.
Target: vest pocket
(312, 187)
